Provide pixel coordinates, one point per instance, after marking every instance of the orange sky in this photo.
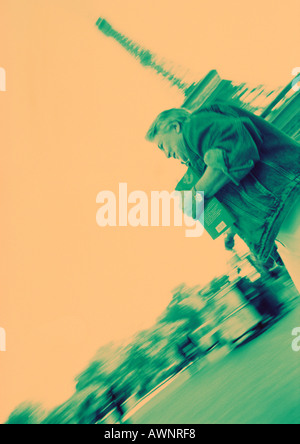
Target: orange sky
(73, 121)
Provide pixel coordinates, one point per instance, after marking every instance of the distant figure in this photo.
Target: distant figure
(117, 402)
(259, 295)
(268, 302)
(189, 351)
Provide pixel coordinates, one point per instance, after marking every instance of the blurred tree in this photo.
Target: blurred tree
(179, 312)
(134, 369)
(93, 375)
(64, 414)
(84, 407)
(27, 413)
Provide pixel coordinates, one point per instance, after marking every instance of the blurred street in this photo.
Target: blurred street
(257, 383)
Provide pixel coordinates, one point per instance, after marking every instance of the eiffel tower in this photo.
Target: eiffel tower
(257, 99)
(146, 57)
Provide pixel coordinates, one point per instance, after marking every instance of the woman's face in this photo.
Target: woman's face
(172, 144)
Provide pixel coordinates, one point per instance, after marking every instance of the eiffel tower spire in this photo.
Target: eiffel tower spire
(200, 92)
(145, 57)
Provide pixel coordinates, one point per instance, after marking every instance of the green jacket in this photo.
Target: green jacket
(263, 165)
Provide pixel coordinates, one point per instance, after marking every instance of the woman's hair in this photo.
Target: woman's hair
(164, 121)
